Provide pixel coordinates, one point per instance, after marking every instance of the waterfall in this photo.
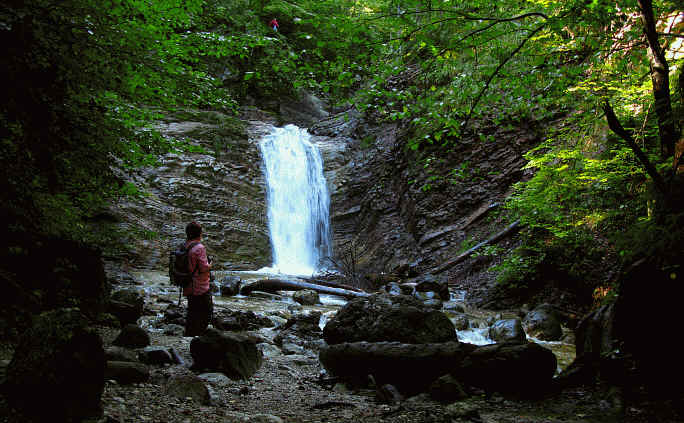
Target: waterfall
(297, 201)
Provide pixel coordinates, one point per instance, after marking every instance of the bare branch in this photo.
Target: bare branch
(496, 71)
(617, 128)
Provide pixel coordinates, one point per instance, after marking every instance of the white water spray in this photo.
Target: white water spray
(297, 201)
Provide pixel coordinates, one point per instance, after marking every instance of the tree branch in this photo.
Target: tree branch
(617, 128)
(496, 71)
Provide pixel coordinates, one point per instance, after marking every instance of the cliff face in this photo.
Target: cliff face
(221, 187)
(395, 207)
(415, 209)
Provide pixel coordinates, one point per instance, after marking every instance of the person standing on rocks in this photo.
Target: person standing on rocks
(200, 302)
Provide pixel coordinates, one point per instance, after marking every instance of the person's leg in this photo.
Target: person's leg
(205, 311)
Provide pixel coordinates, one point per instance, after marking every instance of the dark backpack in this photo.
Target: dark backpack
(180, 273)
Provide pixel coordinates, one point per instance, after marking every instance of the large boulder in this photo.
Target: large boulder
(232, 354)
(508, 330)
(524, 369)
(59, 361)
(543, 323)
(379, 318)
(132, 336)
(409, 367)
(127, 305)
(126, 372)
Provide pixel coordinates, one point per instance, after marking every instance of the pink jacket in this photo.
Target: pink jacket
(200, 279)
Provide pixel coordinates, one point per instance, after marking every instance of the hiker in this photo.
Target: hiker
(274, 24)
(200, 303)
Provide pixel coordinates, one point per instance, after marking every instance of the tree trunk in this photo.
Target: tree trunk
(661, 81)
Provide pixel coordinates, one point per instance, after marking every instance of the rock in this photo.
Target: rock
(230, 285)
(409, 367)
(392, 288)
(127, 305)
(388, 318)
(304, 111)
(460, 322)
(388, 394)
(60, 361)
(269, 350)
(173, 329)
(233, 354)
(108, 320)
(429, 298)
(156, 356)
(543, 323)
(447, 389)
(217, 379)
(132, 336)
(238, 321)
(306, 297)
(126, 372)
(430, 283)
(115, 353)
(300, 331)
(451, 306)
(507, 330)
(522, 369)
(188, 386)
(175, 314)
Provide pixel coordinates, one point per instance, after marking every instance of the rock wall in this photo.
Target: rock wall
(221, 187)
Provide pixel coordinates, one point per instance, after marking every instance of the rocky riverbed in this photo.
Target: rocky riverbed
(292, 386)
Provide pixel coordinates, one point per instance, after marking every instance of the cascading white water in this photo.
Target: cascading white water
(297, 201)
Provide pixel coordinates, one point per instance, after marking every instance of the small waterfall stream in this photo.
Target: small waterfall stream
(298, 201)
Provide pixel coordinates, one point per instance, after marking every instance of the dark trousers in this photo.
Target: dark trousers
(200, 309)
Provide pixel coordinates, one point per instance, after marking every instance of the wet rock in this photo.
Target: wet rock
(388, 318)
(126, 372)
(188, 386)
(269, 350)
(543, 323)
(460, 322)
(432, 283)
(60, 361)
(233, 354)
(230, 285)
(238, 321)
(127, 305)
(457, 307)
(409, 367)
(306, 297)
(507, 330)
(156, 356)
(392, 288)
(521, 369)
(115, 353)
(447, 389)
(132, 336)
(429, 298)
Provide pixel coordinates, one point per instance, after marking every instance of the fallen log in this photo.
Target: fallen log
(334, 284)
(272, 285)
(512, 228)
